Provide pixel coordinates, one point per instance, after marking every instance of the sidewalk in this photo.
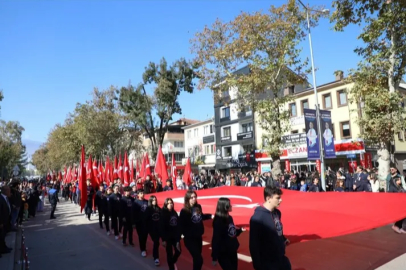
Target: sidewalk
(7, 260)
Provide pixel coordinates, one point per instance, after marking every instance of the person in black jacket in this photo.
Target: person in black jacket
(168, 186)
(154, 226)
(114, 211)
(140, 214)
(395, 186)
(104, 204)
(53, 200)
(98, 200)
(170, 233)
(224, 242)
(127, 215)
(89, 200)
(191, 220)
(267, 242)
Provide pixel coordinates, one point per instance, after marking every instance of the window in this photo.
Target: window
(178, 144)
(247, 148)
(196, 132)
(327, 101)
(226, 131)
(294, 131)
(265, 142)
(341, 98)
(305, 105)
(206, 130)
(225, 93)
(225, 112)
(304, 130)
(400, 136)
(345, 130)
(247, 127)
(292, 109)
(196, 151)
(227, 151)
(209, 149)
(189, 134)
(211, 129)
(179, 157)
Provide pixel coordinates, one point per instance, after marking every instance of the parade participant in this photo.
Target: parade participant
(105, 207)
(170, 233)
(191, 222)
(127, 214)
(114, 211)
(267, 242)
(153, 226)
(98, 200)
(133, 191)
(89, 200)
(395, 186)
(148, 185)
(32, 198)
(224, 241)
(140, 208)
(53, 200)
(168, 186)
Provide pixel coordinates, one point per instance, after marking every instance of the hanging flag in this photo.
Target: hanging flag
(60, 176)
(142, 169)
(95, 174)
(82, 181)
(89, 172)
(328, 135)
(173, 172)
(313, 146)
(187, 179)
(101, 173)
(107, 169)
(160, 167)
(126, 171)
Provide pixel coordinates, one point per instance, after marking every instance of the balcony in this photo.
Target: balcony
(226, 139)
(243, 114)
(245, 135)
(225, 119)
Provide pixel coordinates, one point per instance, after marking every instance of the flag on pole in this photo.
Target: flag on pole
(173, 172)
(187, 179)
(160, 167)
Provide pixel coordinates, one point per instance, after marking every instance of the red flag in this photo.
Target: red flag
(173, 172)
(142, 169)
(147, 168)
(82, 181)
(115, 171)
(107, 171)
(60, 176)
(101, 173)
(186, 174)
(65, 174)
(132, 170)
(95, 174)
(68, 176)
(160, 167)
(120, 169)
(126, 171)
(89, 172)
(137, 167)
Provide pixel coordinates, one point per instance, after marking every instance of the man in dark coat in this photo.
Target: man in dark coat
(5, 212)
(53, 200)
(89, 201)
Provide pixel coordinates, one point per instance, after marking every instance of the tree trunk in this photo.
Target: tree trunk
(384, 165)
(276, 167)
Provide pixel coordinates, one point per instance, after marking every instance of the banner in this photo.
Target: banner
(352, 166)
(328, 135)
(318, 165)
(312, 139)
(287, 165)
(368, 160)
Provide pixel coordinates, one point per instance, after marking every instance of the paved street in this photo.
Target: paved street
(72, 242)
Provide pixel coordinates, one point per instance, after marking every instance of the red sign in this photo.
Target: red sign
(287, 165)
(352, 166)
(318, 165)
(362, 159)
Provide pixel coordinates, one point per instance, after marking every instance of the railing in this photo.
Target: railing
(23, 261)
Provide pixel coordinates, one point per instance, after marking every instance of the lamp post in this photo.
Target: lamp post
(322, 168)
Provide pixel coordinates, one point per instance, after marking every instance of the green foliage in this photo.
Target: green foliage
(268, 44)
(12, 150)
(167, 83)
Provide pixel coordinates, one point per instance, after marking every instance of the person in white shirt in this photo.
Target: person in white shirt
(311, 135)
(179, 183)
(328, 135)
(373, 180)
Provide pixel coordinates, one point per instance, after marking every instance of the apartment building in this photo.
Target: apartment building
(200, 144)
(350, 148)
(174, 141)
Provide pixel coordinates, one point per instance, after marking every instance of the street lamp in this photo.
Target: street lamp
(322, 169)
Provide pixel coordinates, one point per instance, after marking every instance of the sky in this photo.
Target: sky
(53, 53)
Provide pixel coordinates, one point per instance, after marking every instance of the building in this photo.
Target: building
(200, 144)
(349, 147)
(173, 142)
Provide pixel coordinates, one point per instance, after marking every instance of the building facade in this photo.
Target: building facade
(350, 149)
(200, 144)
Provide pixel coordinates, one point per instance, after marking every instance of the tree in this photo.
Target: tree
(168, 82)
(378, 75)
(12, 150)
(40, 159)
(267, 43)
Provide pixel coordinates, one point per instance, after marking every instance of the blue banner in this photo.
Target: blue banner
(312, 139)
(328, 135)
